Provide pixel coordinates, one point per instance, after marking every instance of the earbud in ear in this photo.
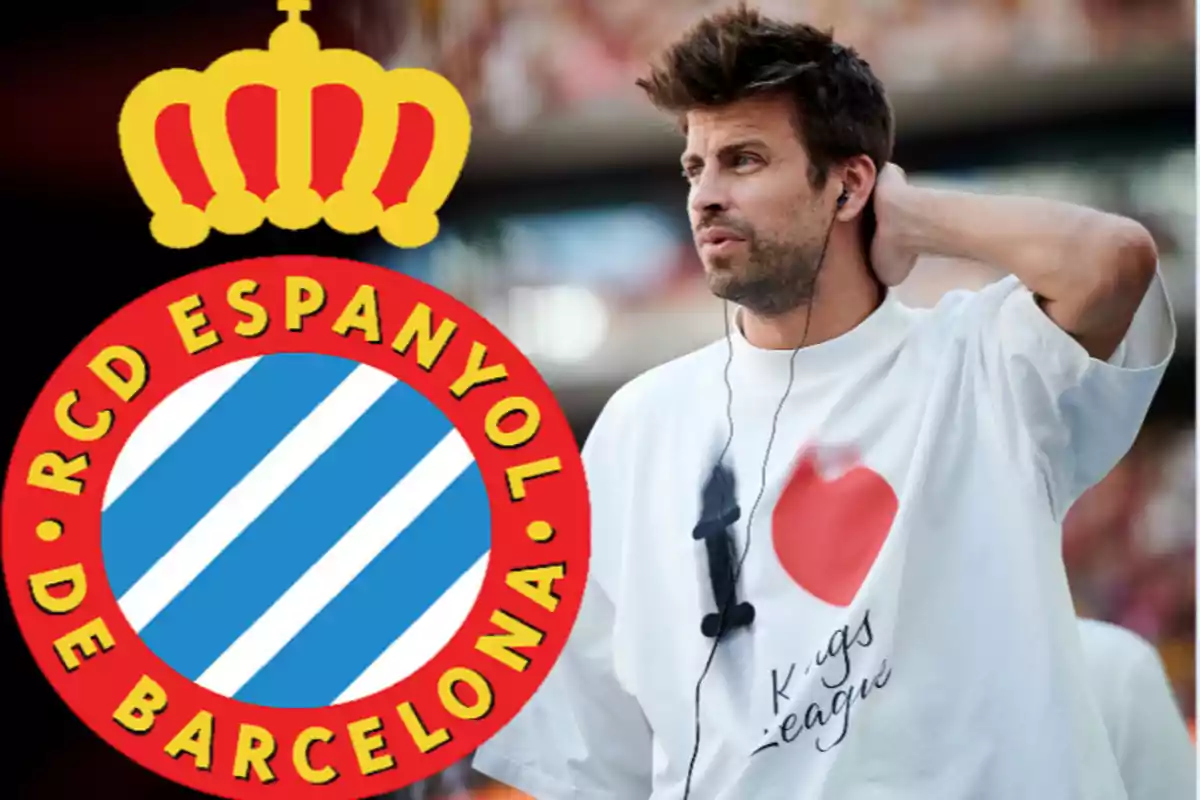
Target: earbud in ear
(842, 198)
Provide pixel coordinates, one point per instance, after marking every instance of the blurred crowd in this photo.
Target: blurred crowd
(1130, 547)
(515, 60)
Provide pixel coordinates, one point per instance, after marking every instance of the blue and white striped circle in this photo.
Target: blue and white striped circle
(296, 530)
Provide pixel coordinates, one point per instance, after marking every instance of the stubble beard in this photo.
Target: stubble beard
(771, 280)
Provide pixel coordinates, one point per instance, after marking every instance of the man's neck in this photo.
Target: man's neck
(846, 295)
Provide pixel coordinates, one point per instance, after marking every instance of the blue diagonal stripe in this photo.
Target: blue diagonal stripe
(215, 453)
(296, 530)
(381, 603)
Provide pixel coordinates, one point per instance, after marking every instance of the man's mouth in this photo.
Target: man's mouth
(716, 237)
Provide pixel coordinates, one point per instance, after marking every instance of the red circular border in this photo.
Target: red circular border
(99, 685)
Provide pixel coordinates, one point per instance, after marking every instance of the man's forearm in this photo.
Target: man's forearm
(1090, 269)
(1051, 246)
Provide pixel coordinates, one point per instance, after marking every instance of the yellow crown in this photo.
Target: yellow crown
(294, 65)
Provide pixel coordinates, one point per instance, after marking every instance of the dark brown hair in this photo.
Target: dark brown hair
(842, 110)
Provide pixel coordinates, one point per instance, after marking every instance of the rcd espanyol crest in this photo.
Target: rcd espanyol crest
(295, 526)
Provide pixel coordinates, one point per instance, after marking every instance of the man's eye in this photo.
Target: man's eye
(744, 159)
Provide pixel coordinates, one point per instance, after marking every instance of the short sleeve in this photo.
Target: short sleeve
(582, 736)
(1157, 756)
(1073, 416)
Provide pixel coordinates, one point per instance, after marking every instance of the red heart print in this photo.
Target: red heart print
(828, 528)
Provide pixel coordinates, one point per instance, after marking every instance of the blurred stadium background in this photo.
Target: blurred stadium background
(568, 229)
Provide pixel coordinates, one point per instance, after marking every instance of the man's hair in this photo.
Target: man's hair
(842, 110)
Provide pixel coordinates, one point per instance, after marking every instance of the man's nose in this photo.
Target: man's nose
(708, 195)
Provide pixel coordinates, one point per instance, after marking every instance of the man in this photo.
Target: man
(1155, 754)
(901, 625)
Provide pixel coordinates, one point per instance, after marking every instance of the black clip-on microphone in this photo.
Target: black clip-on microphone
(719, 510)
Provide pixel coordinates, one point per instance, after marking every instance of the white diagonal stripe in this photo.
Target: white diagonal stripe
(335, 570)
(243, 504)
(423, 639)
(167, 422)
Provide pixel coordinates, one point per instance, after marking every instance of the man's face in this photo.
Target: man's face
(758, 223)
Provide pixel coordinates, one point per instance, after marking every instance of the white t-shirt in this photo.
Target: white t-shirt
(1149, 737)
(914, 634)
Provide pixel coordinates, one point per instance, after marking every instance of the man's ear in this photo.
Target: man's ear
(857, 175)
